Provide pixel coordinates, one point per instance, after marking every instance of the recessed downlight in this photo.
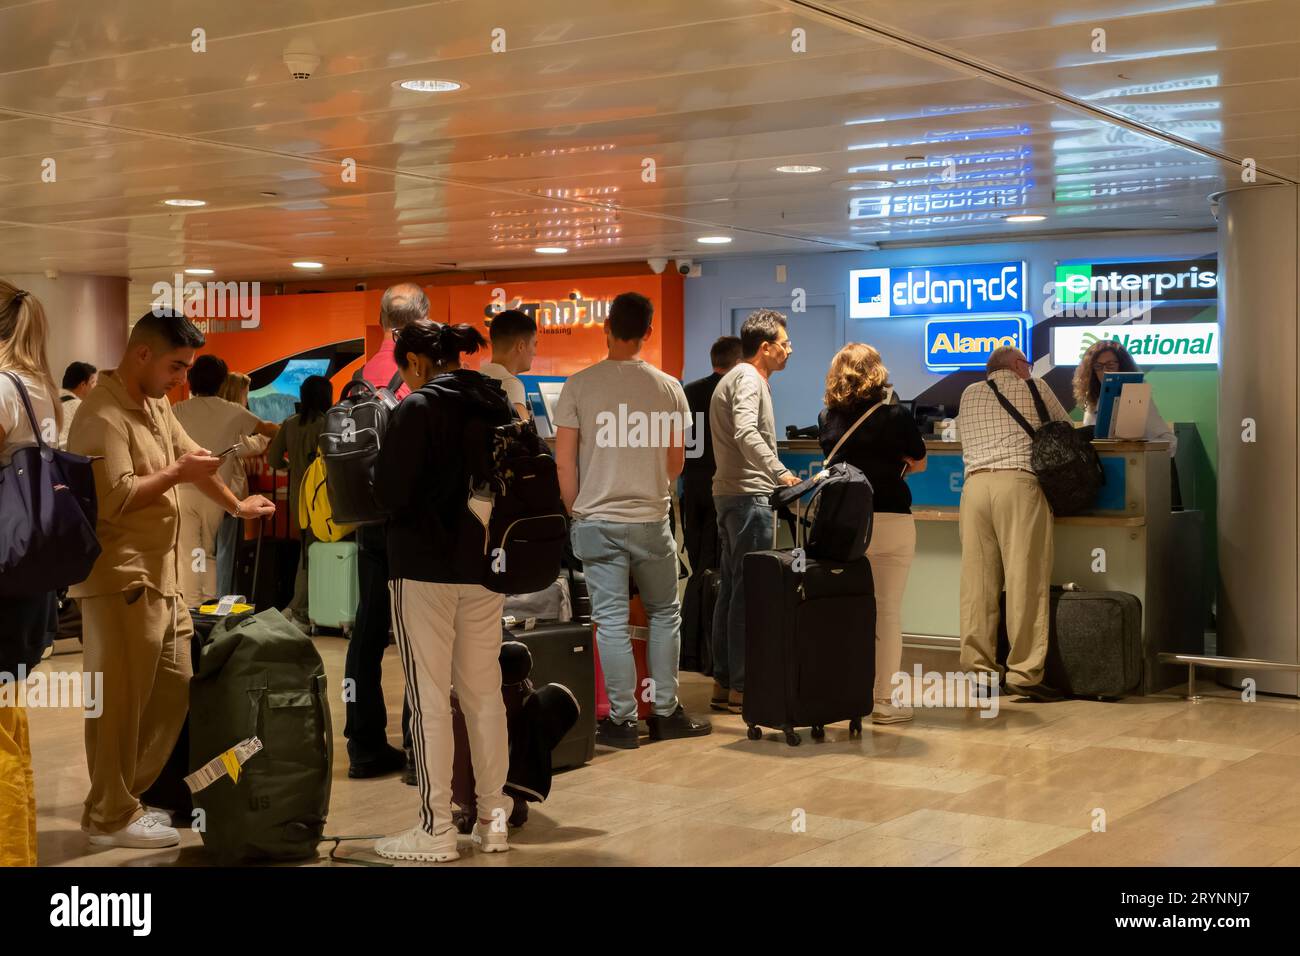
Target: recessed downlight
(305, 264)
(551, 250)
(1026, 217)
(429, 86)
(187, 203)
(714, 240)
(200, 272)
(799, 168)
(864, 182)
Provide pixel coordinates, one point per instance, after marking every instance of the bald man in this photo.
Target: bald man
(1005, 526)
(369, 752)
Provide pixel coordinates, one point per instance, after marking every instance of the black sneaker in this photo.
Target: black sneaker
(676, 725)
(1040, 693)
(392, 761)
(610, 733)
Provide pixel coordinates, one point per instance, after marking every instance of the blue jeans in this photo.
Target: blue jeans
(610, 551)
(229, 533)
(744, 525)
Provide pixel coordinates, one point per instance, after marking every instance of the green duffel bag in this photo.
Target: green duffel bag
(261, 737)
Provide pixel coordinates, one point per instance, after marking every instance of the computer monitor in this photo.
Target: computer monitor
(550, 392)
(1111, 385)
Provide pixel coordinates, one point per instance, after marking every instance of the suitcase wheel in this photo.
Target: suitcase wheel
(753, 733)
(855, 727)
(791, 737)
(818, 732)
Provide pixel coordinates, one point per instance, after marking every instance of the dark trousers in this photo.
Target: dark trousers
(366, 728)
(700, 525)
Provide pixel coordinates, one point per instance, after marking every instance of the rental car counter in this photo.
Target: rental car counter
(1130, 542)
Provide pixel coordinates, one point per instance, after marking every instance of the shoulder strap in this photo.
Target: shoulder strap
(1010, 409)
(27, 404)
(852, 428)
(1039, 404)
(395, 383)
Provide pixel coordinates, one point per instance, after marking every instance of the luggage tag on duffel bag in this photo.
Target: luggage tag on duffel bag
(226, 764)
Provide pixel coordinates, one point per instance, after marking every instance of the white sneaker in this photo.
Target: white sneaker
(886, 713)
(490, 840)
(163, 817)
(415, 844)
(145, 833)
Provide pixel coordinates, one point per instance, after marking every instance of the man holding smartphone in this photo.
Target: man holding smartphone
(136, 627)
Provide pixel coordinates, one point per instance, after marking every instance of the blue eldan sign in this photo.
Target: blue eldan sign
(982, 288)
(953, 344)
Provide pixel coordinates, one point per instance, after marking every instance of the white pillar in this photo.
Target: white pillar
(87, 316)
(1259, 542)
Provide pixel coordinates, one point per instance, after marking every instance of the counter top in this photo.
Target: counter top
(1102, 445)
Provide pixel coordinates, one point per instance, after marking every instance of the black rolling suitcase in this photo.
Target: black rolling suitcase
(563, 654)
(810, 643)
(697, 621)
(266, 567)
(1094, 644)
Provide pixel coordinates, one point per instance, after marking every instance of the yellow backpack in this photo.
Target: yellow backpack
(314, 509)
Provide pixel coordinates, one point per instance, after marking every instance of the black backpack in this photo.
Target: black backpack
(528, 527)
(349, 444)
(48, 511)
(1067, 466)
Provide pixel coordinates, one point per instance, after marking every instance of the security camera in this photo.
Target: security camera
(657, 266)
(360, 287)
(684, 266)
(301, 59)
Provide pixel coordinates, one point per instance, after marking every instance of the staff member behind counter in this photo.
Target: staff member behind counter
(1109, 356)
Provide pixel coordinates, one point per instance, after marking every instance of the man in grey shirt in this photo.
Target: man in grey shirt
(619, 446)
(748, 471)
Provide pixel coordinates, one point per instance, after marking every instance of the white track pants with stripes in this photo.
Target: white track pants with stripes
(450, 634)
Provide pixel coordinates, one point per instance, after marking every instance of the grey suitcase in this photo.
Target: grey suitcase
(1094, 645)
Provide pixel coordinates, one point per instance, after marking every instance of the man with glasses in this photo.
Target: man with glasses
(743, 427)
(1005, 526)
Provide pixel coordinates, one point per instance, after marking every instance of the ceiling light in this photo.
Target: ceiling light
(714, 240)
(864, 182)
(1025, 217)
(199, 272)
(798, 168)
(551, 250)
(268, 194)
(184, 202)
(429, 86)
(308, 265)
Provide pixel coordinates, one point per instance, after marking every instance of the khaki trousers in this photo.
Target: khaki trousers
(1006, 541)
(17, 790)
(892, 547)
(140, 642)
(200, 519)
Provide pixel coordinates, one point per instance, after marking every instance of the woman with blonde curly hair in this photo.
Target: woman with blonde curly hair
(1104, 356)
(881, 438)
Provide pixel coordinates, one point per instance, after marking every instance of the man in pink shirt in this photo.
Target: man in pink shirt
(369, 752)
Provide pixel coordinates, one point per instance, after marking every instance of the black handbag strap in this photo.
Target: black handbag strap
(1039, 405)
(27, 404)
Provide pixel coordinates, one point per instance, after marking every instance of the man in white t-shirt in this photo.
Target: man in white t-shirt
(514, 344)
(619, 446)
(78, 379)
(215, 424)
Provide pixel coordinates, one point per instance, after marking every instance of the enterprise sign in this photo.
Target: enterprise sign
(1174, 343)
(978, 289)
(954, 344)
(1156, 282)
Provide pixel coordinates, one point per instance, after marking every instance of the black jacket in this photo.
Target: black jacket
(698, 395)
(877, 447)
(421, 479)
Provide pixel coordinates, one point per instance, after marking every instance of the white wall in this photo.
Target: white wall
(87, 316)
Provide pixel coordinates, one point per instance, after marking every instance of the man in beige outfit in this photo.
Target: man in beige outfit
(1006, 527)
(136, 628)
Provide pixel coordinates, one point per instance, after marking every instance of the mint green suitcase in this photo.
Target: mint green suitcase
(333, 588)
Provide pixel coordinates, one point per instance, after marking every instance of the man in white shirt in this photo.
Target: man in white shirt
(514, 344)
(619, 446)
(1005, 527)
(78, 380)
